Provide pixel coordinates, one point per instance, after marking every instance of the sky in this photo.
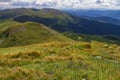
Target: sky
(61, 4)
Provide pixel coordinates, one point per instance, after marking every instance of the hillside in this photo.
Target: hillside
(17, 34)
(109, 39)
(105, 16)
(61, 61)
(61, 21)
(104, 20)
(96, 13)
(108, 20)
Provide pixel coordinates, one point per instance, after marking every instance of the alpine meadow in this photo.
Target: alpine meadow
(59, 40)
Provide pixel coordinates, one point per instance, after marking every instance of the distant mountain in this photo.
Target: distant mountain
(105, 16)
(104, 20)
(96, 13)
(17, 34)
(61, 21)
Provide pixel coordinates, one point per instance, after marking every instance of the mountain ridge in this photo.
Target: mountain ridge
(18, 34)
(61, 21)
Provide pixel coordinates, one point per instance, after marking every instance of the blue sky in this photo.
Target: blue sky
(76, 4)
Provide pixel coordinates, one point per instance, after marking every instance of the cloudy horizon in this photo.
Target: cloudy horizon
(61, 4)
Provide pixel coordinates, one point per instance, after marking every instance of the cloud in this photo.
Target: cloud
(5, 0)
(20, 4)
(84, 4)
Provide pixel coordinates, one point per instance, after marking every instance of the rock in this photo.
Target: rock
(110, 47)
(106, 46)
(115, 61)
(98, 57)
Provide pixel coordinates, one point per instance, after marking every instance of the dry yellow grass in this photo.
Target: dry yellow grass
(61, 61)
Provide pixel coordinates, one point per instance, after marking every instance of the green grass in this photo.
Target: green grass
(89, 38)
(4, 25)
(43, 13)
(16, 34)
(61, 61)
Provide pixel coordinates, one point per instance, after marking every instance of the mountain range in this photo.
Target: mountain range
(105, 16)
(61, 22)
(96, 13)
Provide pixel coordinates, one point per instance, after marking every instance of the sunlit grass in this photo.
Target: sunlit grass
(60, 61)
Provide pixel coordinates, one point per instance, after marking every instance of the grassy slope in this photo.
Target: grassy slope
(43, 13)
(61, 61)
(88, 38)
(15, 34)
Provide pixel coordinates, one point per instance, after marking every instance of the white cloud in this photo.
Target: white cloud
(109, 4)
(5, 0)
